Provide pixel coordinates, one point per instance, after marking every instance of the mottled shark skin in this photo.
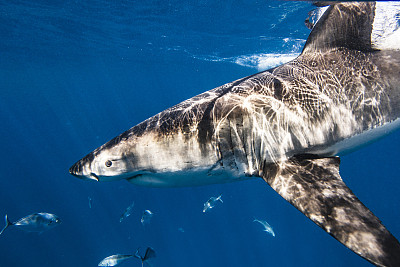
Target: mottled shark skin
(305, 180)
(286, 125)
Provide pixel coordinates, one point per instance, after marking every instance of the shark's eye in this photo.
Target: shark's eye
(108, 163)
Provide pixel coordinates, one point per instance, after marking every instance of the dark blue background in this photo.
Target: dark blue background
(74, 75)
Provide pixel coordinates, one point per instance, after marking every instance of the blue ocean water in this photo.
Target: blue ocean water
(74, 74)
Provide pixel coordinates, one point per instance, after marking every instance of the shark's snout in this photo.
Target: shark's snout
(76, 170)
(81, 169)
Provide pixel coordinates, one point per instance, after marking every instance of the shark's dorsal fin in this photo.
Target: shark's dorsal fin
(314, 186)
(346, 25)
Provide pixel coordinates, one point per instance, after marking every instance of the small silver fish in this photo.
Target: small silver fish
(127, 212)
(209, 204)
(267, 227)
(37, 222)
(146, 217)
(90, 202)
(150, 253)
(114, 260)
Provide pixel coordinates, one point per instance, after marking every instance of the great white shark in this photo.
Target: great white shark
(286, 125)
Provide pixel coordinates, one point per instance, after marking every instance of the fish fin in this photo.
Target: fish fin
(150, 253)
(220, 199)
(8, 223)
(343, 25)
(137, 255)
(314, 186)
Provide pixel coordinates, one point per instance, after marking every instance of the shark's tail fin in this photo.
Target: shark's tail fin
(364, 26)
(219, 198)
(8, 223)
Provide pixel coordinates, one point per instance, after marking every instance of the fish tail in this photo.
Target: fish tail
(8, 223)
(220, 199)
(137, 255)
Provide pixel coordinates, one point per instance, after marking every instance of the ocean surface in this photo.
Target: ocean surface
(74, 74)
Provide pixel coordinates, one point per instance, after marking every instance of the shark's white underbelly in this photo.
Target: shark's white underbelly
(195, 177)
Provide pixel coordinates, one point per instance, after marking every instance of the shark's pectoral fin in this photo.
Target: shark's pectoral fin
(314, 186)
